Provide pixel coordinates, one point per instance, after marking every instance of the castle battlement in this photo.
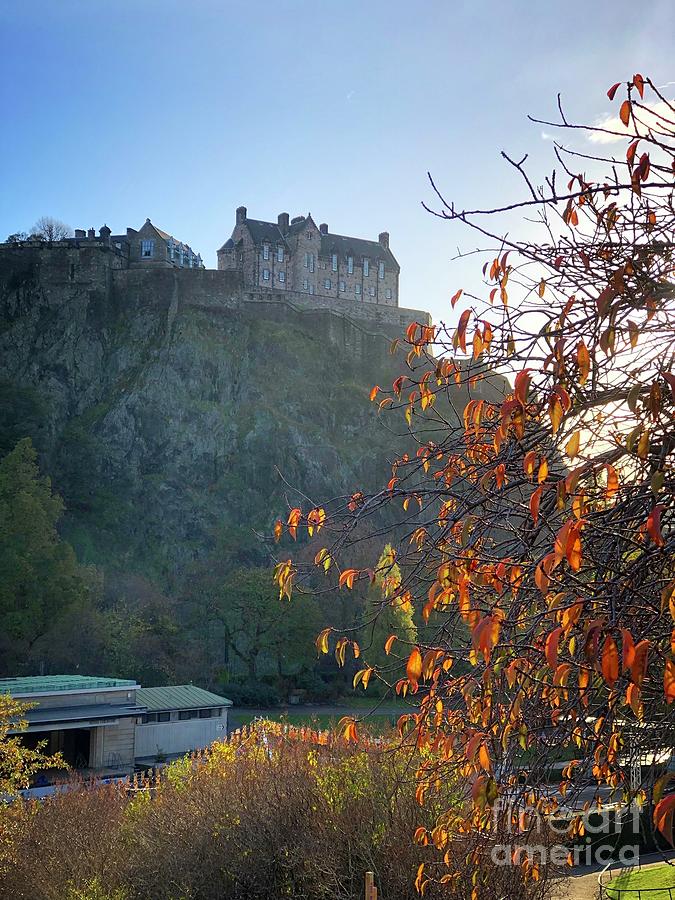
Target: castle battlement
(294, 264)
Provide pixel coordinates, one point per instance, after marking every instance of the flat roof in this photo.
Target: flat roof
(62, 714)
(51, 684)
(179, 696)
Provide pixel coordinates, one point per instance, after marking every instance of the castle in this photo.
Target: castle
(290, 263)
(298, 256)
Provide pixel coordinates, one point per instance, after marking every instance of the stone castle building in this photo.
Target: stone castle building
(148, 246)
(298, 256)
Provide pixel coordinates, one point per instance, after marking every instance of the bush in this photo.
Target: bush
(255, 820)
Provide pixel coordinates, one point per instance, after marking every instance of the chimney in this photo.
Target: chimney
(80, 233)
(323, 228)
(383, 239)
(241, 214)
(282, 222)
(91, 233)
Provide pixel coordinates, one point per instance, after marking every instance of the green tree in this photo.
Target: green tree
(261, 635)
(387, 612)
(39, 575)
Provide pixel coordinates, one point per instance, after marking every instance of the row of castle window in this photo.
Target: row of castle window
(184, 256)
(310, 264)
(328, 285)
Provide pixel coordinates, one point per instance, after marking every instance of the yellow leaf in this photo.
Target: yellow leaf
(572, 446)
(542, 288)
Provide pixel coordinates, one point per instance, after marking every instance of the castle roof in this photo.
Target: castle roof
(269, 232)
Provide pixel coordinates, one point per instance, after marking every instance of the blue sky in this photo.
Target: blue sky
(181, 111)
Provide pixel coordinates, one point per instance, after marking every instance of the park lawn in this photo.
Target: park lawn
(626, 887)
(323, 722)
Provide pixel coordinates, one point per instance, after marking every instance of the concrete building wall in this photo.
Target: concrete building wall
(115, 745)
(169, 738)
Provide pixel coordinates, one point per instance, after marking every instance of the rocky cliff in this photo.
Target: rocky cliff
(172, 425)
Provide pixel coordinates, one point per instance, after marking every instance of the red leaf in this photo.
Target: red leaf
(669, 681)
(639, 83)
(663, 817)
(613, 90)
(654, 525)
(455, 298)
(627, 649)
(551, 647)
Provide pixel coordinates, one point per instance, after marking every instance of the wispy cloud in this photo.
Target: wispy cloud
(654, 116)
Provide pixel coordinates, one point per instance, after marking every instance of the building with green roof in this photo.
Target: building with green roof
(109, 726)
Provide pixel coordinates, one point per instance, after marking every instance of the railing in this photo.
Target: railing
(631, 893)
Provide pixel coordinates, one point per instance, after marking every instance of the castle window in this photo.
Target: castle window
(147, 249)
(282, 277)
(366, 267)
(350, 265)
(280, 253)
(372, 291)
(266, 251)
(334, 262)
(387, 293)
(380, 271)
(266, 274)
(357, 289)
(327, 284)
(311, 288)
(305, 284)
(343, 287)
(309, 235)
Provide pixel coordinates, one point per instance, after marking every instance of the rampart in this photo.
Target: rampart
(61, 268)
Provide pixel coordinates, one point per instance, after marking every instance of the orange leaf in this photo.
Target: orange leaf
(610, 661)
(534, 503)
(551, 647)
(455, 298)
(543, 471)
(388, 644)
(413, 667)
(348, 577)
(669, 681)
(639, 667)
(612, 482)
(583, 361)
(293, 518)
(521, 385)
(624, 112)
(529, 463)
(461, 329)
(484, 758)
(627, 650)
(373, 392)
(278, 530)
(612, 91)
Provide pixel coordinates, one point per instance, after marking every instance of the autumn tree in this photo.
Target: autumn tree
(19, 763)
(535, 529)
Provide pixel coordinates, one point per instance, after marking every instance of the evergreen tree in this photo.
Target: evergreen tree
(39, 575)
